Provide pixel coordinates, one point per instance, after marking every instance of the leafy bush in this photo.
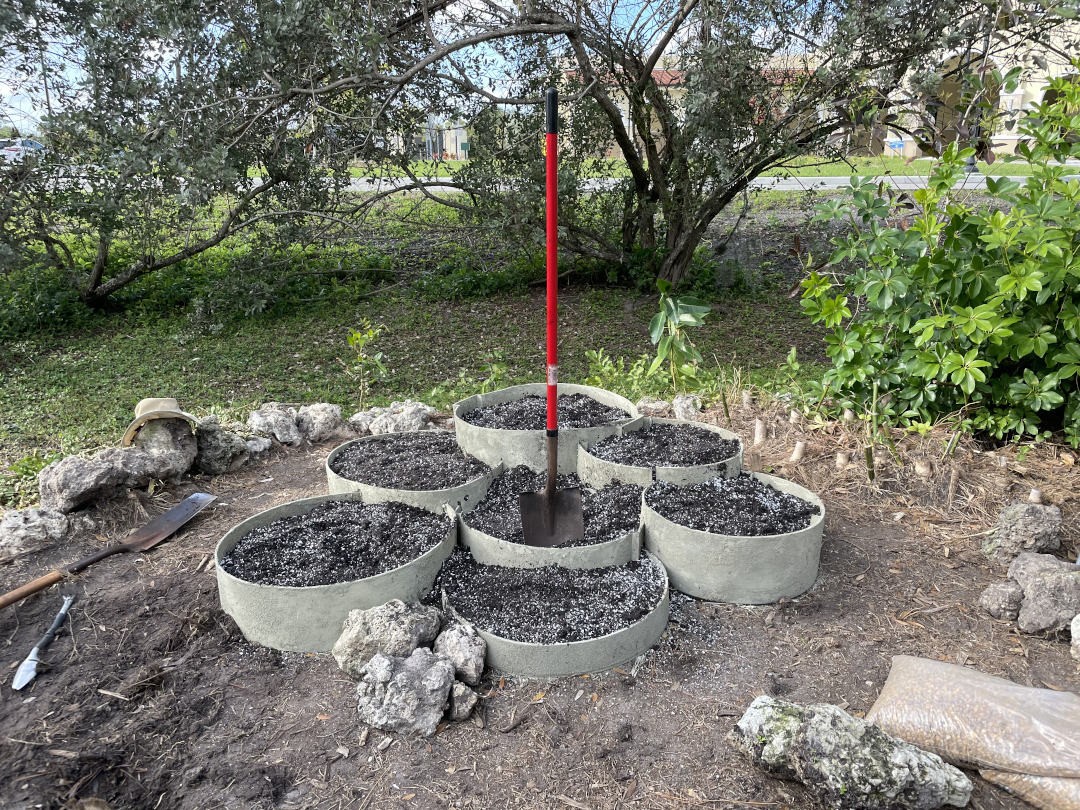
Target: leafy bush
(953, 309)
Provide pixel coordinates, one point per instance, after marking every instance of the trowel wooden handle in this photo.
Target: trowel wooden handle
(39, 584)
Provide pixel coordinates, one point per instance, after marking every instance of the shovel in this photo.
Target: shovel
(142, 539)
(552, 517)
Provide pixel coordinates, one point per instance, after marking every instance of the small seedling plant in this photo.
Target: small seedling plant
(368, 366)
(668, 332)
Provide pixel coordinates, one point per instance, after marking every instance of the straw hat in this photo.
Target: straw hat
(154, 408)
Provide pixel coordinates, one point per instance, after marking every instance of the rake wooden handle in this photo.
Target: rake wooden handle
(39, 584)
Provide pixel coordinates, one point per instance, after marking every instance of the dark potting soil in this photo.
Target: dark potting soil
(337, 541)
(425, 460)
(609, 513)
(552, 604)
(530, 413)
(742, 506)
(663, 445)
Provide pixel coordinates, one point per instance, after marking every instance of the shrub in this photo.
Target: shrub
(956, 309)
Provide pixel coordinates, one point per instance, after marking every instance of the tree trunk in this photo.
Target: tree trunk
(676, 263)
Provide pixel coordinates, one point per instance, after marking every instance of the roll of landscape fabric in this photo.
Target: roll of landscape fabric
(970, 718)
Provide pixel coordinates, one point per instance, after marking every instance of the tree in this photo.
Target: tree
(699, 98)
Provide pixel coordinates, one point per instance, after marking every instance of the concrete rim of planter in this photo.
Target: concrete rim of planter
(489, 550)
(309, 618)
(598, 473)
(743, 570)
(461, 498)
(532, 660)
(514, 447)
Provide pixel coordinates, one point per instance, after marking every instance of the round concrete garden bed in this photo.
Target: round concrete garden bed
(598, 472)
(461, 497)
(557, 659)
(512, 447)
(756, 569)
(309, 618)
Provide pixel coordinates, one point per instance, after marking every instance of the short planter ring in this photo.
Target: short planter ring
(754, 570)
(598, 473)
(514, 447)
(461, 498)
(309, 618)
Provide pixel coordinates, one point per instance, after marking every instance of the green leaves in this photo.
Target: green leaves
(667, 331)
(962, 308)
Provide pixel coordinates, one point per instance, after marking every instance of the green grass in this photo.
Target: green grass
(78, 392)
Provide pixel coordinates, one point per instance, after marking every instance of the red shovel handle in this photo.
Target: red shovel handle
(551, 109)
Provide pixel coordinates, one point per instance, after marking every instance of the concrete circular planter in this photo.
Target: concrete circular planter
(461, 498)
(309, 618)
(597, 473)
(529, 660)
(489, 550)
(514, 447)
(744, 570)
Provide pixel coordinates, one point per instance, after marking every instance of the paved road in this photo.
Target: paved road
(971, 181)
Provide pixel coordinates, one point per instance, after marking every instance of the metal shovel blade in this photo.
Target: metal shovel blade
(552, 519)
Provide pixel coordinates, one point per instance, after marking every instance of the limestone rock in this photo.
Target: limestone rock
(220, 450)
(394, 629)
(25, 530)
(849, 763)
(462, 701)
(321, 422)
(1029, 565)
(686, 406)
(260, 444)
(69, 483)
(172, 442)
(1051, 601)
(465, 650)
(405, 694)
(1002, 599)
(278, 421)
(649, 406)
(1074, 647)
(1024, 527)
(400, 417)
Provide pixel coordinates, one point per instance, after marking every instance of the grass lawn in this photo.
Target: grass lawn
(79, 391)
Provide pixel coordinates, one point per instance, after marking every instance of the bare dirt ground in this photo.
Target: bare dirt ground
(153, 699)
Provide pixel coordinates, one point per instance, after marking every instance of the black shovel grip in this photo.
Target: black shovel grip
(551, 110)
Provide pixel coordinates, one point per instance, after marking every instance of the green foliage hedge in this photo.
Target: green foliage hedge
(956, 310)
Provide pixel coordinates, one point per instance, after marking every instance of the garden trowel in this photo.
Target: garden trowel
(552, 517)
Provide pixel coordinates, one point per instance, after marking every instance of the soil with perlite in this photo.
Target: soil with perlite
(151, 698)
(743, 506)
(550, 605)
(664, 445)
(336, 541)
(609, 513)
(427, 460)
(530, 413)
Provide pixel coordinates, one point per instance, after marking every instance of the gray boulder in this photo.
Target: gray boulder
(1024, 527)
(394, 629)
(405, 694)
(848, 762)
(1074, 646)
(1051, 601)
(400, 417)
(650, 406)
(1002, 599)
(258, 445)
(462, 701)
(172, 443)
(26, 530)
(220, 450)
(1027, 566)
(465, 650)
(278, 421)
(686, 406)
(321, 422)
(69, 483)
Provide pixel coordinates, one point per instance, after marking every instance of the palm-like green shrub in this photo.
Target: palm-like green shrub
(951, 308)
